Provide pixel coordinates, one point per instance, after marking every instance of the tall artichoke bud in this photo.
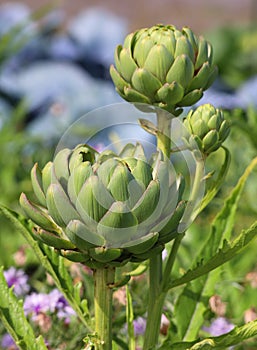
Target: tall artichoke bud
(163, 66)
(207, 127)
(105, 209)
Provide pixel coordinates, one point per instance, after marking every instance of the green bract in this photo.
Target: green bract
(105, 208)
(207, 127)
(163, 66)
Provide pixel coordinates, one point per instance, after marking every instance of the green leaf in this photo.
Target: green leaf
(130, 319)
(227, 252)
(192, 303)
(14, 320)
(52, 262)
(234, 337)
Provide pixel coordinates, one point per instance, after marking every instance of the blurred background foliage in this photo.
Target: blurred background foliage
(54, 68)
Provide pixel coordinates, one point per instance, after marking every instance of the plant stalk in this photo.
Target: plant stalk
(155, 303)
(163, 133)
(103, 278)
(156, 297)
(170, 262)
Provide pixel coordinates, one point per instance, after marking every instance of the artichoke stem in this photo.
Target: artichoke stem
(163, 134)
(153, 329)
(156, 297)
(155, 303)
(104, 278)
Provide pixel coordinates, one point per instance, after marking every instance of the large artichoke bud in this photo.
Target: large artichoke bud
(163, 66)
(105, 209)
(207, 127)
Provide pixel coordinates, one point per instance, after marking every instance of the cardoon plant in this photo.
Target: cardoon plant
(169, 68)
(108, 209)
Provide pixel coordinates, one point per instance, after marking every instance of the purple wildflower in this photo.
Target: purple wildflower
(139, 326)
(8, 342)
(36, 303)
(58, 303)
(18, 279)
(219, 326)
(54, 302)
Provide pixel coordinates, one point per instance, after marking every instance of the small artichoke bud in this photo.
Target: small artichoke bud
(163, 66)
(105, 209)
(207, 127)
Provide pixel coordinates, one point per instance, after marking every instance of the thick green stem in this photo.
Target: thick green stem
(153, 329)
(104, 278)
(155, 303)
(156, 297)
(170, 262)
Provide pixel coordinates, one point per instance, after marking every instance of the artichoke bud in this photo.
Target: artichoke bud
(100, 209)
(153, 59)
(207, 127)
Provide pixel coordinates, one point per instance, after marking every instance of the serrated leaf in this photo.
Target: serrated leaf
(51, 261)
(226, 253)
(234, 337)
(191, 304)
(14, 320)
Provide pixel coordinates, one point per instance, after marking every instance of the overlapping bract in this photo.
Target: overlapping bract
(207, 128)
(105, 208)
(163, 66)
